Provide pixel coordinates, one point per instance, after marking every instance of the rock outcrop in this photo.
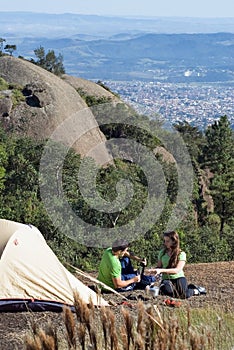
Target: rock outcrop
(51, 108)
(88, 87)
(165, 155)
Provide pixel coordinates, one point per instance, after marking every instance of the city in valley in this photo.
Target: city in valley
(200, 104)
(175, 69)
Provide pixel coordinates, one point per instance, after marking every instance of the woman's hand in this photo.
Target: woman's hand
(155, 271)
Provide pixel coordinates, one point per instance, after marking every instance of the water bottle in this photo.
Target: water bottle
(154, 291)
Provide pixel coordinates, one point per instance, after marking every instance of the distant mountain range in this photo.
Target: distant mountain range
(162, 57)
(117, 48)
(60, 25)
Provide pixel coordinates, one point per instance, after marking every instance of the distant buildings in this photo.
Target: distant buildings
(200, 104)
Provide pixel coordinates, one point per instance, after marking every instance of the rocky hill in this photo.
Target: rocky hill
(48, 105)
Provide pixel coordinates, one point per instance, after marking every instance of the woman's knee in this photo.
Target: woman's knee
(166, 288)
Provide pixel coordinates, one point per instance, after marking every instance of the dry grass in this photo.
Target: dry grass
(147, 328)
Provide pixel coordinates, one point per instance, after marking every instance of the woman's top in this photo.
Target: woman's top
(165, 258)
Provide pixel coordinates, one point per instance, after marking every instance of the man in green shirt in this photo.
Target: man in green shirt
(110, 267)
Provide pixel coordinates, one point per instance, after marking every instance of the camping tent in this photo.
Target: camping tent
(31, 276)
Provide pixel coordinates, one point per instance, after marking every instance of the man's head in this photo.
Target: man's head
(119, 245)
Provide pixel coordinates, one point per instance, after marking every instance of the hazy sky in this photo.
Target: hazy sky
(181, 8)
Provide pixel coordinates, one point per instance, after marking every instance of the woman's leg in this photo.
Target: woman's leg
(177, 288)
(166, 288)
(181, 288)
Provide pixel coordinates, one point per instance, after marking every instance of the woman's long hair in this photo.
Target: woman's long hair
(175, 247)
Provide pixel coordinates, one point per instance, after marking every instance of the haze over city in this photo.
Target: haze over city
(179, 8)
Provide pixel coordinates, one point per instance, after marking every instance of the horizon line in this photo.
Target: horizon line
(119, 16)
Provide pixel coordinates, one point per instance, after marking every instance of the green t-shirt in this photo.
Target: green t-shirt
(164, 258)
(109, 267)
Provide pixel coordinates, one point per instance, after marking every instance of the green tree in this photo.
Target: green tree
(49, 61)
(54, 63)
(195, 141)
(219, 157)
(40, 54)
(10, 48)
(192, 137)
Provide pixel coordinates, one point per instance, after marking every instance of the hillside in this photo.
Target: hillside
(48, 101)
(215, 277)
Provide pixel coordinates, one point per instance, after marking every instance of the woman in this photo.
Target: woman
(171, 262)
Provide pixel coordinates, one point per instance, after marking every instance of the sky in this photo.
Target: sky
(168, 8)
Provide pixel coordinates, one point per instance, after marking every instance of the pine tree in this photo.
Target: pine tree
(218, 155)
(49, 61)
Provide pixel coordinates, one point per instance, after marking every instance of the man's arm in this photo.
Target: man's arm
(135, 257)
(118, 283)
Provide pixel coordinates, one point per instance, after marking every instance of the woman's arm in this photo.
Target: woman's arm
(173, 270)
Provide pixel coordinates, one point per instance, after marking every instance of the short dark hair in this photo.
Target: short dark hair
(119, 244)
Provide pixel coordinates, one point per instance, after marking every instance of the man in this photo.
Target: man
(127, 270)
(110, 269)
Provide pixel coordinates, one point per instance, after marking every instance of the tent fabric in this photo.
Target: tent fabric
(23, 305)
(31, 273)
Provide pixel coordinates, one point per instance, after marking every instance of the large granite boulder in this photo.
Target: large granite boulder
(51, 106)
(89, 88)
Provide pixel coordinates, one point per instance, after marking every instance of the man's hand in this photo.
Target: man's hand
(144, 262)
(131, 255)
(137, 278)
